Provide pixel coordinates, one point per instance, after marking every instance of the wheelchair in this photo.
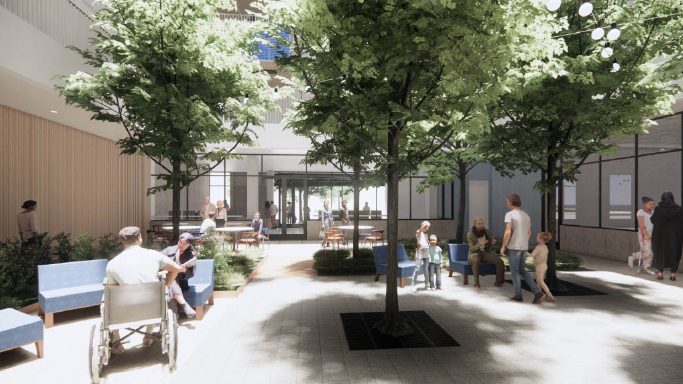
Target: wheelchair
(132, 307)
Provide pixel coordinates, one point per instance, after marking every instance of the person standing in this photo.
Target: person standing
(289, 212)
(480, 241)
(366, 210)
(207, 208)
(435, 263)
(274, 210)
(645, 234)
(516, 244)
(540, 257)
(267, 215)
(667, 236)
(221, 214)
(27, 223)
(327, 215)
(421, 255)
(344, 214)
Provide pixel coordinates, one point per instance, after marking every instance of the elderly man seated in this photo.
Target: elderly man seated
(480, 241)
(257, 225)
(136, 265)
(183, 254)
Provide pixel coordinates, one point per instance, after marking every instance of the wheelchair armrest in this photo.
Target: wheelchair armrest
(162, 275)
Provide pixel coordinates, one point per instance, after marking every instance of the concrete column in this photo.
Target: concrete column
(253, 168)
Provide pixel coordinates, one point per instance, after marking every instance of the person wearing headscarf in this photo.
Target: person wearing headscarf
(27, 223)
(185, 255)
(667, 236)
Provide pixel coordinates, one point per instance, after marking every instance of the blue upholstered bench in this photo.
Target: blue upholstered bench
(18, 329)
(66, 286)
(201, 287)
(457, 257)
(405, 267)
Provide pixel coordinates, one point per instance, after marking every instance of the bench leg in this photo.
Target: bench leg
(211, 299)
(49, 320)
(200, 312)
(465, 279)
(450, 273)
(377, 276)
(402, 282)
(40, 311)
(39, 348)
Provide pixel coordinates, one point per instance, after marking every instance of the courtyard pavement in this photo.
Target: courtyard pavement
(285, 328)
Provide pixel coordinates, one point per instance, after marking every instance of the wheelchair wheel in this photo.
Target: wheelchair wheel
(94, 360)
(172, 332)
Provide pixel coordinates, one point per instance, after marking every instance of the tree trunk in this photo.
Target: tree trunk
(551, 275)
(392, 324)
(356, 202)
(462, 173)
(176, 203)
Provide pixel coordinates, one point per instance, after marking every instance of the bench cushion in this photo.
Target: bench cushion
(56, 300)
(18, 328)
(465, 268)
(197, 294)
(405, 268)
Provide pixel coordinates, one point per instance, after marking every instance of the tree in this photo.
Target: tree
(177, 79)
(399, 76)
(561, 113)
(454, 161)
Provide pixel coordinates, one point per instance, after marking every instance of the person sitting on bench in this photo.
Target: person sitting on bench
(480, 241)
(183, 254)
(136, 265)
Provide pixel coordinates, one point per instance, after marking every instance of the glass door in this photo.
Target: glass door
(289, 196)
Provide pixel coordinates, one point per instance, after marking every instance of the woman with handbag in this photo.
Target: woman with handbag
(327, 216)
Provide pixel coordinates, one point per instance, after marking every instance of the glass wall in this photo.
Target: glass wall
(245, 184)
(608, 190)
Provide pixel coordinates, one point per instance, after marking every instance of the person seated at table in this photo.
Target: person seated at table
(480, 241)
(208, 226)
(136, 265)
(257, 226)
(185, 255)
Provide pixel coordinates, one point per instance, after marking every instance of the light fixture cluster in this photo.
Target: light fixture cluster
(586, 9)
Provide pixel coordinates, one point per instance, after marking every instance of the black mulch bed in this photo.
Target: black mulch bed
(361, 336)
(572, 289)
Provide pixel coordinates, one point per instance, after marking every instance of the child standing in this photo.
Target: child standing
(435, 262)
(540, 256)
(421, 255)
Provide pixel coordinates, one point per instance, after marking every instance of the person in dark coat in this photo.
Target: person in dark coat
(667, 236)
(185, 255)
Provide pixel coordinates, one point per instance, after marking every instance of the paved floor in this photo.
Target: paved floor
(285, 328)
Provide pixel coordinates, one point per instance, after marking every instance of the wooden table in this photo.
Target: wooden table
(237, 231)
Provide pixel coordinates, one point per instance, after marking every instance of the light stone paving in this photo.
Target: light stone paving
(285, 328)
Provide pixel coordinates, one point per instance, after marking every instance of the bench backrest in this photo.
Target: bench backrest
(134, 302)
(73, 274)
(458, 252)
(203, 273)
(381, 253)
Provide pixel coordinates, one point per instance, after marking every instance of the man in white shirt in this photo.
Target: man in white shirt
(274, 211)
(516, 241)
(208, 226)
(207, 208)
(136, 265)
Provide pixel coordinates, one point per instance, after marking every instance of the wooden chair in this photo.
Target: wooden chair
(343, 235)
(377, 236)
(248, 239)
(332, 236)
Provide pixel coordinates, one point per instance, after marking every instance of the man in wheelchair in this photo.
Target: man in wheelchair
(136, 265)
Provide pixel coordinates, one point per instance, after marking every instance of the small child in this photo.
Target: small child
(540, 256)
(435, 262)
(421, 255)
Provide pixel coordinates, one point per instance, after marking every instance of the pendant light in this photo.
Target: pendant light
(554, 5)
(586, 8)
(598, 32)
(613, 33)
(615, 66)
(607, 51)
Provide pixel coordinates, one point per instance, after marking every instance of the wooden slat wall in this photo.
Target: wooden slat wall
(59, 19)
(79, 180)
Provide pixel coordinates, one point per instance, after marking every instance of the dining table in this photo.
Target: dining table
(236, 230)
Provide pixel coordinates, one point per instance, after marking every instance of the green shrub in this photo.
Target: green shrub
(339, 262)
(84, 248)
(108, 246)
(232, 269)
(208, 250)
(63, 250)
(563, 262)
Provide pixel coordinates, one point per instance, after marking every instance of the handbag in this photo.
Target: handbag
(321, 235)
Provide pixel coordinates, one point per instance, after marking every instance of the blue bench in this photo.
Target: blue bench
(66, 286)
(18, 329)
(201, 287)
(405, 267)
(457, 257)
